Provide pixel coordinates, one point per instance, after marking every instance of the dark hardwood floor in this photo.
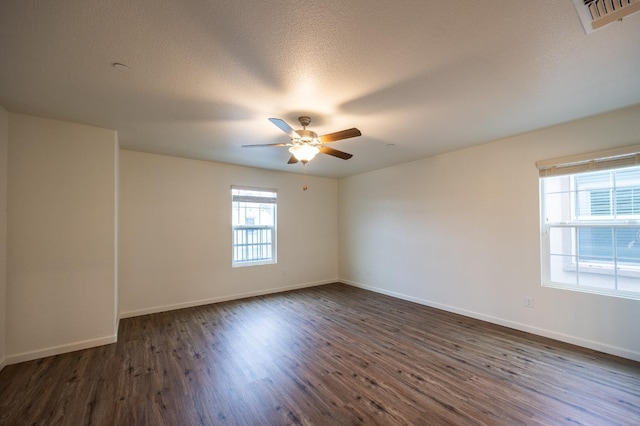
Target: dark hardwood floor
(328, 355)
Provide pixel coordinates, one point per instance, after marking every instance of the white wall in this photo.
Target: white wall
(61, 237)
(116, 208)
(175, 233)
(461, 232)
(4, 146)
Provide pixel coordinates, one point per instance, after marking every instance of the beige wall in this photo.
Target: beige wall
(461, 232)
(4, 146)
(175, 233)
(61, 237)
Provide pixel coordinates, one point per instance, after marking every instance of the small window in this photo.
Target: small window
(253, 214)
(590, 227)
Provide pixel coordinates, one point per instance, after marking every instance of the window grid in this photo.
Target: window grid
(252, 244)
(254, 226)
(591, 231)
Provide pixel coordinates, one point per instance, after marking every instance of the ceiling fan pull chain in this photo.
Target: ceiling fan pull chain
(304, 182)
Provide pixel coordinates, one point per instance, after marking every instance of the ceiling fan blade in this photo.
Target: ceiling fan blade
(344, 134)
(335, 152)
(282, 125)
(292, 160)
(264, 144)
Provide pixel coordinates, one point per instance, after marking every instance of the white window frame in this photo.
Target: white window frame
(265, 201)
(570, 167)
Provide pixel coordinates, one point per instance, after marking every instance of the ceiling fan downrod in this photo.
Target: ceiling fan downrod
(304, 121)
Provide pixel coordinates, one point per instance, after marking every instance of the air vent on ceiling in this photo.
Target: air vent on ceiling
(595, 14)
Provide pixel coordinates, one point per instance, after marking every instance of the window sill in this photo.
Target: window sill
(602, 269)
(257, 263)
(594, 290)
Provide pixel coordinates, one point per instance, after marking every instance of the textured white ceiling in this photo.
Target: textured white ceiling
(204, 76)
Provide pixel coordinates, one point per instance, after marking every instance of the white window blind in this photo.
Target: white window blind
(593, 161)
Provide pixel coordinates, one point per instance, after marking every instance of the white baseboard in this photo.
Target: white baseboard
(589, 344)
(57, 350)
(236, 296)
(86, 344)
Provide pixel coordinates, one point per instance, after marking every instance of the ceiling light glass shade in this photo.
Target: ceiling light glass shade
(304, 152)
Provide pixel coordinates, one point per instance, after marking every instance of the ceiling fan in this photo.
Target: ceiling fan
(305, 144)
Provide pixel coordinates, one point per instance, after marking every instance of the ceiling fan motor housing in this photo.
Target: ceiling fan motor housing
(306, 136)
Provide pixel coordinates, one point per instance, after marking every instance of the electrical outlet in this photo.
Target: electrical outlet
(528, 301)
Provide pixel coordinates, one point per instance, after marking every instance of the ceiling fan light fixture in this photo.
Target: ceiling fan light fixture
(304, 152)
(305, 144)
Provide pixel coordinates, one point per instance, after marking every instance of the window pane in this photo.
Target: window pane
(596, 258)
(599, 202)
(563, 241)
(594, 194)
(593, 180)
(562, 270)
(594, 276)
(626, 178)
(624, 201)
(595, 245)
(628, 201)
(563, 260)
(557, 199)
(628, 246)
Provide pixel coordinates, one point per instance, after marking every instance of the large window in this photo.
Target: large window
(590, 216)
(254, 226)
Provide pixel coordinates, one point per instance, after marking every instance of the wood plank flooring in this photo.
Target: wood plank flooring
(328, 355)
